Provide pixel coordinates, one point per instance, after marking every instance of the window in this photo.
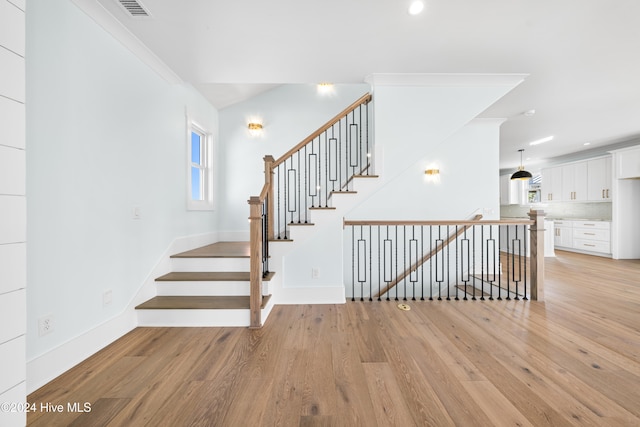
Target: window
(200, 177)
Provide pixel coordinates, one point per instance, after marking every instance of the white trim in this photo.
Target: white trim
(46, 367)
(110, 24)
(448, 79)
(55, 362)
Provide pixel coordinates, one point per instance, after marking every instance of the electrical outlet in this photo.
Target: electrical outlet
(45, 325)
(107, 297)
(136, 212)
(315, 273)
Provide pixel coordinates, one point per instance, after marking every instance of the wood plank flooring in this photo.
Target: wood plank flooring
(571, 360)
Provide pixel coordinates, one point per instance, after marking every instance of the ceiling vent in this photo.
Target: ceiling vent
(134, 8)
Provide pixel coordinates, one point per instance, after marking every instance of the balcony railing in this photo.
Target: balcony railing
(445, 260)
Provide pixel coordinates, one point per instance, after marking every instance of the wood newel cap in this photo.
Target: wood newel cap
(254, 200)
(269, 158)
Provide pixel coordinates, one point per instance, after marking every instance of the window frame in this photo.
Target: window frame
(206, 156)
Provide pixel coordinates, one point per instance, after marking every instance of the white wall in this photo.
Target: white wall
(469, 163)
(105, 134)
(13, 264)
(289, 113)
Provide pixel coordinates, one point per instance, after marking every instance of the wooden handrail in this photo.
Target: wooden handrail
(264, 193)
(443, 222)
(364, 99)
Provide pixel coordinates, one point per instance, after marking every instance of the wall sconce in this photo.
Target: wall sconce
(432, 174)
(326, 88)
(255, 129)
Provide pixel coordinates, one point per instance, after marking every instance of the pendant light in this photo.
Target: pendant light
(521, 173)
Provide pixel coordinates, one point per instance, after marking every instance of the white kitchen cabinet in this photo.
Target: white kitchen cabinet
(592, 236)
(583, 236)
(599, 179)
(563, 234)
(629, 163)
(574, 182)
(552, 184)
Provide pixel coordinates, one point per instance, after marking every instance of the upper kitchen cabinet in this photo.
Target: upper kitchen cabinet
(599, 179)
(552, 184)
(574, 182)
(629, 163)
(584, 181)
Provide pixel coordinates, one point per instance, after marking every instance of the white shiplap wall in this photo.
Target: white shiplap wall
(13, 211)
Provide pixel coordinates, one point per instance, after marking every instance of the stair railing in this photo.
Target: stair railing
(303, 179)
(447, 259)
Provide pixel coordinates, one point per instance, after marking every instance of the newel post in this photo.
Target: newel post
(255, 270)
(536, 243)
(268, 180)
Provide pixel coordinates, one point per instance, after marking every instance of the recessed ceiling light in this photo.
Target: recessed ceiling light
(587, 143)
(541, 140)
(416, 7)
(529, 113)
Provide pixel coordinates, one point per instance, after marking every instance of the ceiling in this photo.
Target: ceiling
(582, 56)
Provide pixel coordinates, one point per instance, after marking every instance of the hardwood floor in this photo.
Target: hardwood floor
(571, 360)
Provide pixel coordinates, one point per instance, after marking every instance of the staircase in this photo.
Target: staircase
(208, 286)
(230, 283)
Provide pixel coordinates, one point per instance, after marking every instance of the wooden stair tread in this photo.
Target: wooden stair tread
(366, 176)
(209, 276)
(218, 250)
(239, 302)
(320, 208)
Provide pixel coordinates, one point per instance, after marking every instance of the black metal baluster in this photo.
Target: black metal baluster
(367, 136)
(431, 263)
(404, 261)
(524, 227)
(306, 188)
(353, 264)
(473, 287)
(509, 260)
(370, 265)
(360, 142)
(278, 204)
(379, 278)
(520, 259)
(500, 264)
(299, 200)
(422, 256)
(388, 255)
(482, 276)
(493, 257)
(457, 278)
(439, 244)
(397, 245)
(326, 169)
(468, 258)
(448, 268)
(414, 273)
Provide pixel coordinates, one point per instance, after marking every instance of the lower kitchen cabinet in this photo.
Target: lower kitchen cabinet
(583, 236)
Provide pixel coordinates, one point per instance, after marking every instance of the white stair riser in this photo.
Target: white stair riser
(203, 288)
(210, 264)
(195, 318)
(198, 318)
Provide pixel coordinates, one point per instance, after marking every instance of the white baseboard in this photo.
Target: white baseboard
(55, 362)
